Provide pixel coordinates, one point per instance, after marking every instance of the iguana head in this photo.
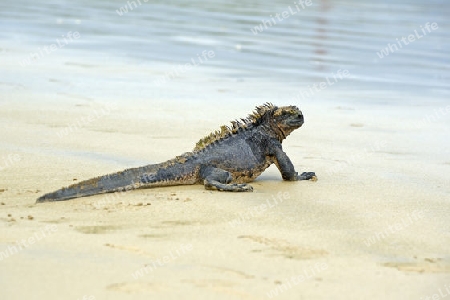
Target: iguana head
(280, 121)
(286, 119)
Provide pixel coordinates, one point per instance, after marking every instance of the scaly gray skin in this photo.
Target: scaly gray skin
(223, 161)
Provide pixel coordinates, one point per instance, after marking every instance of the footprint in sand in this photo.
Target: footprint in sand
(427, 265)
(284, 248)
(126, 248)
(236, 273)
(130, 287)
(96, 229)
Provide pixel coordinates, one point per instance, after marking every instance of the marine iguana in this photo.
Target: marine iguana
(225, 160)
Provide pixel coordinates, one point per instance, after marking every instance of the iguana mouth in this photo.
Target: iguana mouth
(297, 122)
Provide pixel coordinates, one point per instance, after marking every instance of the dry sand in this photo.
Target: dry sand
(374, 226)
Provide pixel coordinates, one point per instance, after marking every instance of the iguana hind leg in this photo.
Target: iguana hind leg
(218, 179)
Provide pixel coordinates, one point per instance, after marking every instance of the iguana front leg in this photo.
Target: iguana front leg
(286, 167)
(218, 179)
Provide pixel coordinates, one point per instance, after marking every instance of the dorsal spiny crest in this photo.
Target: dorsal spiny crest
(236, 126)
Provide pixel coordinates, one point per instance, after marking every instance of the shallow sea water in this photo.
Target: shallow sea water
(146, 40)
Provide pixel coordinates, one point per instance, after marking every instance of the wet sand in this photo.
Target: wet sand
(374, 226)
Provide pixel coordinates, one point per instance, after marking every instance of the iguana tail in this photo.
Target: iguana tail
(121, 181)
(173, 172)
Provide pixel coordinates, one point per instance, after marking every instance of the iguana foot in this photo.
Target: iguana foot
(219, 180)
(234, 187)
(307, 176)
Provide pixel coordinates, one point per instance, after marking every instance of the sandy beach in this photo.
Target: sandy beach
(87, 89)
(374, 226)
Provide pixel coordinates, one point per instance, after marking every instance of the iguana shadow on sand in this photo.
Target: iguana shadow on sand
(226, 160)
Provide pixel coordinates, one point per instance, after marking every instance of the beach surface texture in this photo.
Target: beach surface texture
(143, 86)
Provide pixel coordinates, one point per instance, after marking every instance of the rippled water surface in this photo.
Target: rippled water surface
(301, 46)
